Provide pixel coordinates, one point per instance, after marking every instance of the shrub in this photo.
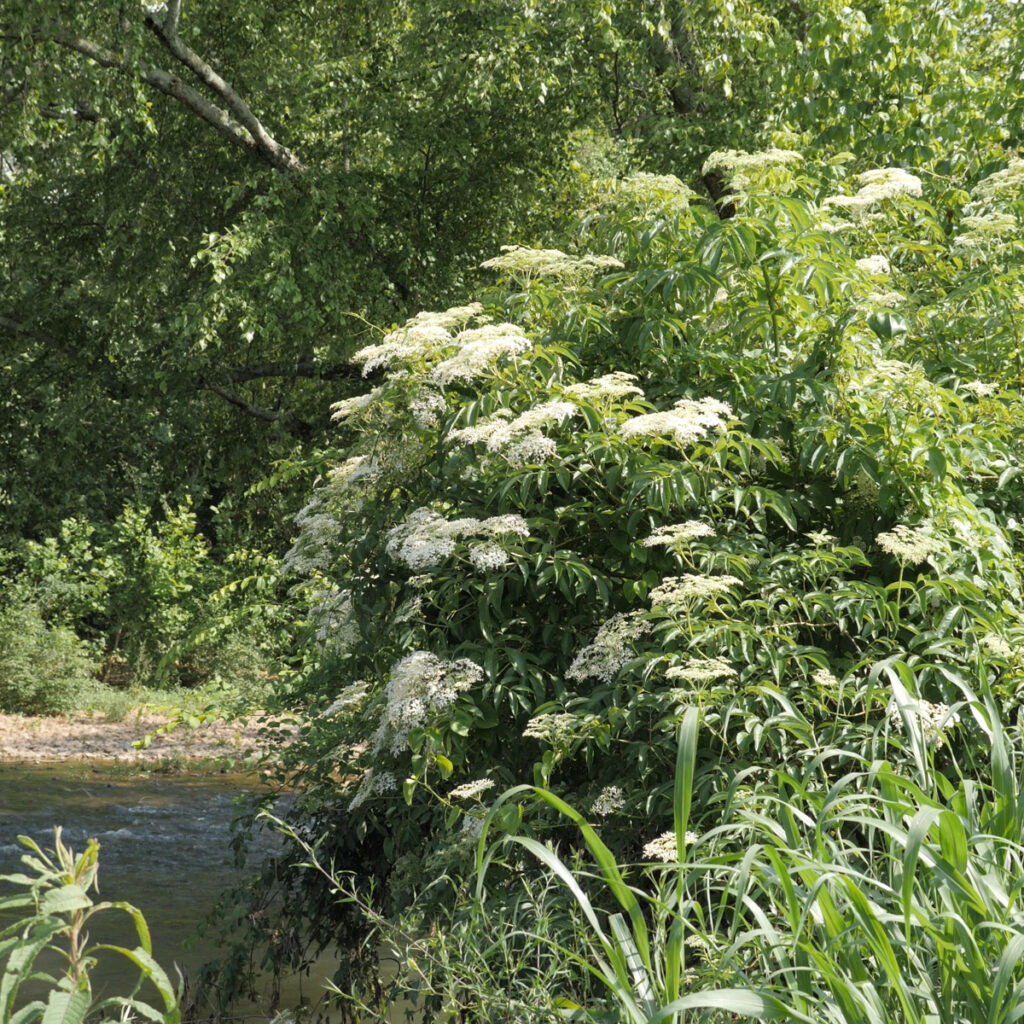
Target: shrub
(43, 669)
(717, 464)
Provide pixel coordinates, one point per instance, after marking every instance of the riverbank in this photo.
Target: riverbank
(28, 739)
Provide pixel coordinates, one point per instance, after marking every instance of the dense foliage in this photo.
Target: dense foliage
(700, 403)
(746, 465)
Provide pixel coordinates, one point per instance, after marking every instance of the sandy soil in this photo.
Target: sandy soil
(29, 739)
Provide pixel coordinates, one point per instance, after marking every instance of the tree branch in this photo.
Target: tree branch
(245, 131)
(167, 32)
(267, 415)
(299, 369)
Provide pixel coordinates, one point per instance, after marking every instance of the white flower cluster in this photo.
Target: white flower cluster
(752, 170)
(649, 190)
(456, 316)
(425, 335)
(351, 697)
(427, 407)
(986, 231)
(664, 847)
(350, 406)
(877, 186)
(687, 421)
(825, 679)
(610, 650)
(426, 538)
(471, 790)
(609, 801)
(1007, 184)
(336, 627)
(519, 438)
(413, 342)
(419, 685)
(315, 547)
(979, 388)
(996, 645)
(557, 729)
(821, 538)
(932, 719)
(344, 475)
(371, 784)
(888, 299)
(876, 266)
(675, 591)
(524, 264)
(678, 534)
(611, 386)
(479, 350)
(909, 545)
(701, 670)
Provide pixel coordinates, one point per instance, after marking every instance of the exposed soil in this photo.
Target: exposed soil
(28, 739)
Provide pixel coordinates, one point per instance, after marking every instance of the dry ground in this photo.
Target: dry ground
(29, 739)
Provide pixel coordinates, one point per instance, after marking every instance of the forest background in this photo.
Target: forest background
(694, 502)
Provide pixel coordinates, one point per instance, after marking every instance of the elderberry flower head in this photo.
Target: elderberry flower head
(996, 645)
(523, 264)
(678, 533)
(979, 388)
(610, 650)
(420, 684)
(686, 422)
(608, 802)
(426, 538)
(664, 847)
(674, 591)
(701, 670)
(877, 186)
(471, 790)
(611, 386)
(877, 265)
(932, 719)
(909, 545)
(479, 351)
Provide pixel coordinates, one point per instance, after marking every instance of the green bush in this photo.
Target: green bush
(740, 465)
(44, 669)
(147, 593)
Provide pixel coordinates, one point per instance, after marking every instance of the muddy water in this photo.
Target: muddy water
(164, 846)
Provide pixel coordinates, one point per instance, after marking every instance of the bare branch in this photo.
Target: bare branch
(294, 370)
(245, 131)
(267, 415)
(166, 31)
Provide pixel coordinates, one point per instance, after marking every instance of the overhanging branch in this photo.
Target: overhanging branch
(235, 121)
(166, 30)
(267, 415)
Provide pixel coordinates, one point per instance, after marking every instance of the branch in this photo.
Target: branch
(83, 111)
(258, 141)
(167, 32)
(267, 415)
(293, 370)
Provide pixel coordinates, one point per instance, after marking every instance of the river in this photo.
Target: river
(164, 846)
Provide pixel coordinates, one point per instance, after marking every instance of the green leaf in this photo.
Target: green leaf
(66, 1007)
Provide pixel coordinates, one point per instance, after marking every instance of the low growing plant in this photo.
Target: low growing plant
(54, 909)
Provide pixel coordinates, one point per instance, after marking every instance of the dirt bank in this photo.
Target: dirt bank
(29, 739)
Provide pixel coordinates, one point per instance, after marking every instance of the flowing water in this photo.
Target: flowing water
(164, 846)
